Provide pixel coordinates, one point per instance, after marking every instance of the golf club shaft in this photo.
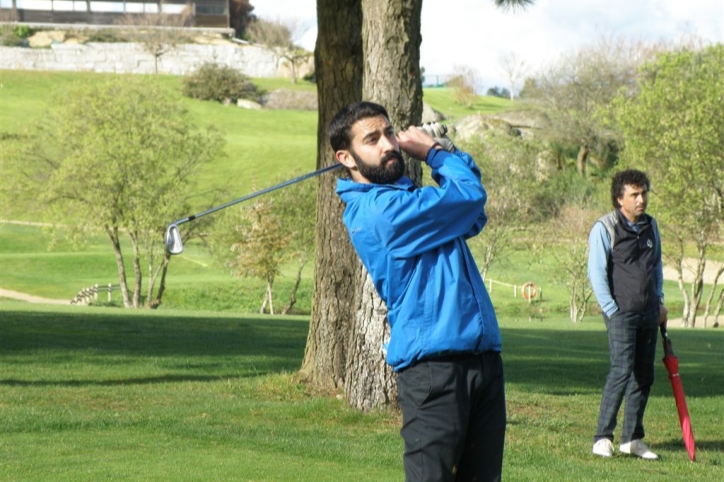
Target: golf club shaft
(258, 193)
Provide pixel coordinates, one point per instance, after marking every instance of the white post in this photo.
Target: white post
(95, 292)
(515, 291)
(110, 288)
(491, 285)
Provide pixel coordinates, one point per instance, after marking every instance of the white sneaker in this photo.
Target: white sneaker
(603, 447)
(639, 449)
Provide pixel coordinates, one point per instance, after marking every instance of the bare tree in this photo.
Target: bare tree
(464, 82)
(509, 164)
(158, 33)
(280, 37)
(576, 87)
(514, 68)
(569, 248)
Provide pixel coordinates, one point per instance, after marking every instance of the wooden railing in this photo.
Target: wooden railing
(89, 294)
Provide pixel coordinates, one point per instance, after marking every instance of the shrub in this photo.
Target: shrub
(10, 38)
(220, 83)
(23, 31)
(105, 35)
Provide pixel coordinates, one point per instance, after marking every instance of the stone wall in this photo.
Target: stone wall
(130, 58)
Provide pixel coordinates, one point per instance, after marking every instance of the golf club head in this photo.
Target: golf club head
(174, 244)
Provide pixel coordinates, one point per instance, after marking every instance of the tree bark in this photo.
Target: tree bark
(370, 382)
(391, 42)
(338, 66)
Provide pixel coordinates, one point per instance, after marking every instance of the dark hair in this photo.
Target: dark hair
(629, 177)
(341, 124)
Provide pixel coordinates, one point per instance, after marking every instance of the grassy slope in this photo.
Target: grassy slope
(261, 147)
(101, 394)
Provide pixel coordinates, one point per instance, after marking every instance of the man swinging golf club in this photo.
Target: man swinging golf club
(445, 343)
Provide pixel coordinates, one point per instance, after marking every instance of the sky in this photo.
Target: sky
(473, 34)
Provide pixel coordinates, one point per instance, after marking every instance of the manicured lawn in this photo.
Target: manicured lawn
(92, 394)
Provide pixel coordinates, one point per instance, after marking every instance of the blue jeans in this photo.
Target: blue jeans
(632, 340)
(453, 418)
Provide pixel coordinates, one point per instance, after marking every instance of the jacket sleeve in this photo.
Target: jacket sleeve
(599, 251)
(412, 222)
(659, 267)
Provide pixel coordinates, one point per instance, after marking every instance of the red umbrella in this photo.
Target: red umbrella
(671, 362)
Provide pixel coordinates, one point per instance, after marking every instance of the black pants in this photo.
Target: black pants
(453, 418)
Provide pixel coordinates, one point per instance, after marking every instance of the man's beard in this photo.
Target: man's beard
(382, 174)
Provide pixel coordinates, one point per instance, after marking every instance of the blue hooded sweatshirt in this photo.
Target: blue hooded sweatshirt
(412, 242)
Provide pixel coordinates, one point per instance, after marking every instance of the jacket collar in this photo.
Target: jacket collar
(347, 185)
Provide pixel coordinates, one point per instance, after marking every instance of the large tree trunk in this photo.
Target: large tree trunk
(338, 66)
(391, 43)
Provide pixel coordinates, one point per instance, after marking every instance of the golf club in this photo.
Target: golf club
(173, 241)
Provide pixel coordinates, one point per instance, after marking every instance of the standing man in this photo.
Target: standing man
(626, 272)
(445, 342)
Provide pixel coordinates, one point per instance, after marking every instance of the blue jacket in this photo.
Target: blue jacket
(412, 242)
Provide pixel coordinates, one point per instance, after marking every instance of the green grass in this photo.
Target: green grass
(261, 145)
(92, 394)
(195, 282)
(443, 100)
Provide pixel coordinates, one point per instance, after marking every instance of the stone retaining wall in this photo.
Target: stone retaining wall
(130, 58)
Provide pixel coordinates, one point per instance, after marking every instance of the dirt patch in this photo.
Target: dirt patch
(689, 265)
(16, 295)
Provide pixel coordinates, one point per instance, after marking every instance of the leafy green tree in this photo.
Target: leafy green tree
(296, 205)
(258, 247)
(117, 155)
(258, 239)
(673, 128)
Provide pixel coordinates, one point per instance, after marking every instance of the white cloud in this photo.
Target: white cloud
(474, 33)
